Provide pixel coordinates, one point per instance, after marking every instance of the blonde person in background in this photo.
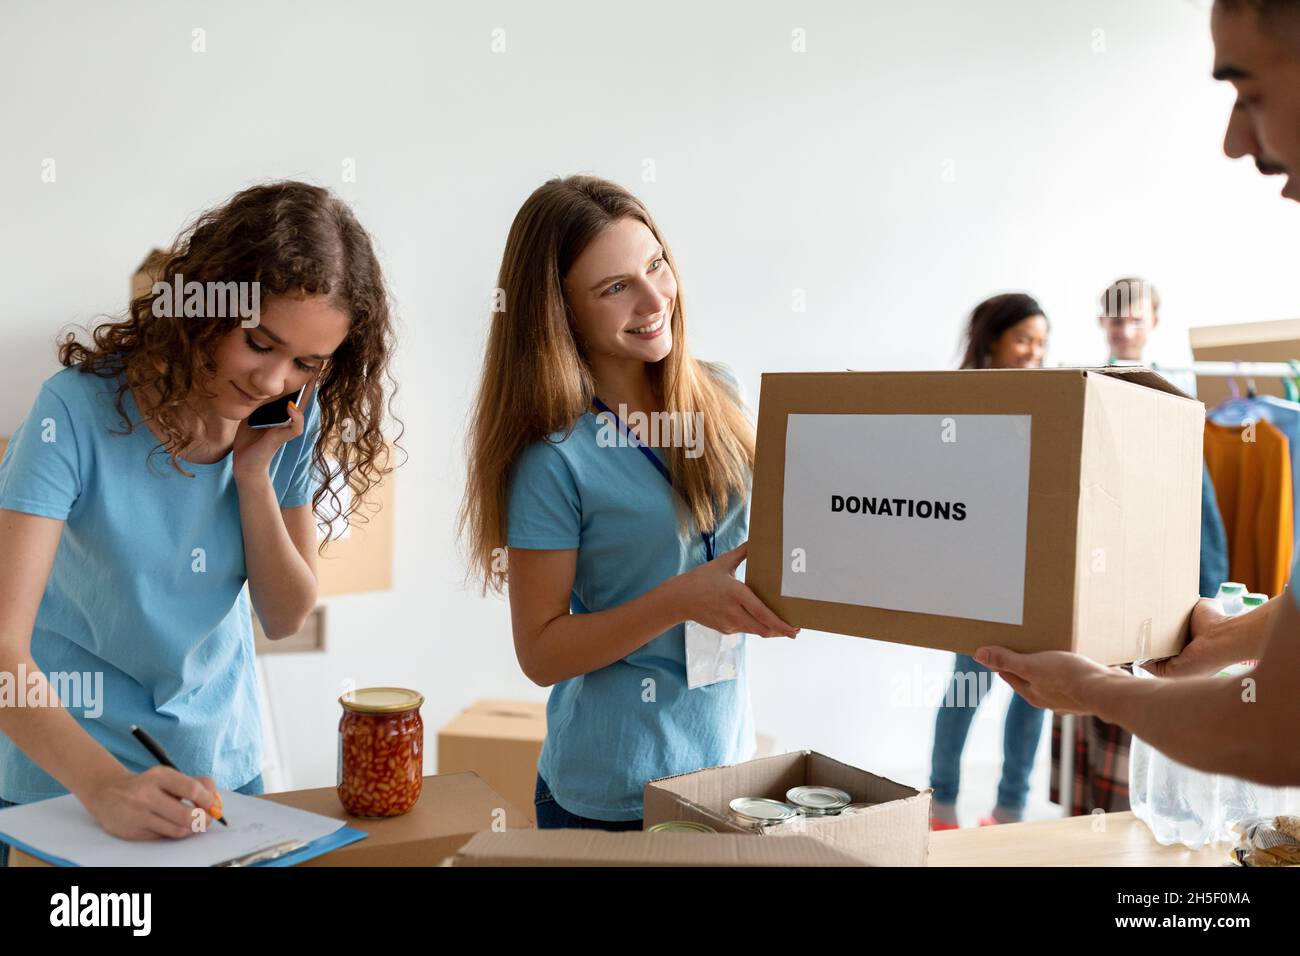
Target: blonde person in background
(1129, 311)
(618, 551)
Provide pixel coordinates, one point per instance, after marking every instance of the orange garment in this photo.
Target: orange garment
(1252, 482)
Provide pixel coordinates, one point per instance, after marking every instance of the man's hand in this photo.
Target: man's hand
(1205, 652)
(1059, 680)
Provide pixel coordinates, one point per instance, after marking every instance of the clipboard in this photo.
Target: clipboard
(287, 856)
(60, 831)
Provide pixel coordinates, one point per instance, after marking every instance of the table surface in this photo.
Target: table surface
(1110, 839)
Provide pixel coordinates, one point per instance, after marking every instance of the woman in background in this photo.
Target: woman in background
(1006, 331)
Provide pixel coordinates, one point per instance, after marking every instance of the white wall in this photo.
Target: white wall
(776, 171)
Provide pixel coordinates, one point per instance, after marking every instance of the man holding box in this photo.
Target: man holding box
(1212, 723)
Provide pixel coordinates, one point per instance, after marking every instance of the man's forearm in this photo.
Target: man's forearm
(1209, 723)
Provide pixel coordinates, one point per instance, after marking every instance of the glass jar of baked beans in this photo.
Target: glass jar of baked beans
(381, 751)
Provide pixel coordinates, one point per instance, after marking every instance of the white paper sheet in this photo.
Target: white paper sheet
(62, 827)
(917, 560)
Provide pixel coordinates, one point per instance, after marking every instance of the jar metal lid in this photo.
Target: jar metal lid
(381, 700)
(819, 799)
(680, 826)
(762, 810)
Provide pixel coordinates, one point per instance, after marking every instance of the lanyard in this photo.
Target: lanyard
(654, 460)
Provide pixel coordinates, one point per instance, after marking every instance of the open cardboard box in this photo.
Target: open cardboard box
(894, 832)
(604, 848)
(1037, 509)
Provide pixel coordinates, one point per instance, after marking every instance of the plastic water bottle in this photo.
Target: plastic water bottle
(1175, 802)
(1231, 597)
(1182, 805)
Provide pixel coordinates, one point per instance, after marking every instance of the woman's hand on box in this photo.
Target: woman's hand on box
(713, 597)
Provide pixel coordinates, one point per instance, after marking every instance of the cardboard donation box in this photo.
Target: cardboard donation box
(500, 740)
(1037, 509)
(893, 831)
(636, 848)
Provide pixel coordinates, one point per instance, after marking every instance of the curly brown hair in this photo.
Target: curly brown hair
(291, 238)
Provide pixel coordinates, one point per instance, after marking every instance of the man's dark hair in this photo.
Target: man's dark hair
(1270, 11)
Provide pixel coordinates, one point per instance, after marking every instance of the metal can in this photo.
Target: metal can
(815, 801)
(381, 751)
(757, 813)
(680, 826)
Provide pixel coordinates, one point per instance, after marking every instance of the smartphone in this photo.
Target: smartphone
(275, 414)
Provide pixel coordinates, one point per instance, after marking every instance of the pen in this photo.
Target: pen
(161, 756)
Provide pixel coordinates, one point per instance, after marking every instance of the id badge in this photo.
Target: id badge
(710, 655)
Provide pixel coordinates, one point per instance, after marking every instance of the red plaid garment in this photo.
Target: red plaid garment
(1100, 765)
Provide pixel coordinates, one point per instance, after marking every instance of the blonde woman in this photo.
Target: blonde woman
(622, 546)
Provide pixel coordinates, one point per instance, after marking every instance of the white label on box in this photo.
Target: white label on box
(921, 513)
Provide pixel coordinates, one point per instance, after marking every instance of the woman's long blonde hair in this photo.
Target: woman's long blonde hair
(536, 382)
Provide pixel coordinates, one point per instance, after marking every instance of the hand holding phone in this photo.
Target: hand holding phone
(270, 426)
(275, 413)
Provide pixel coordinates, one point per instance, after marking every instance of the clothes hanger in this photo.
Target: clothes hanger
(1293, 383)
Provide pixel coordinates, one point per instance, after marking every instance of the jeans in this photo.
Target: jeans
(1023, 726)
(252, 789)
(552, 816)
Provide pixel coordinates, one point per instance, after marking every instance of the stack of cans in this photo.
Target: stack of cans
(757, 813)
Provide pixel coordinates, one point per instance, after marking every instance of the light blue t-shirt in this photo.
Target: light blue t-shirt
(612, 730)
(147, 587)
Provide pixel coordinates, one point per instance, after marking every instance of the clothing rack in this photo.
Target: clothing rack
(1247, 370)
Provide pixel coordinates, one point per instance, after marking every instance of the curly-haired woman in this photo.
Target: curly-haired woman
(136, 501)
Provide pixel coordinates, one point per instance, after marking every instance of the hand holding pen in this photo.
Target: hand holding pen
(161, 756)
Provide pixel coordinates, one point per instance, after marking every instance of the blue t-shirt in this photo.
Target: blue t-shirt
(612, 730)
(147, 587)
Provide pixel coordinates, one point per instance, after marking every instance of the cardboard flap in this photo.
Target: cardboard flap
(499, 719)
(1140, 375)
(637, 848)
(862, 785)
